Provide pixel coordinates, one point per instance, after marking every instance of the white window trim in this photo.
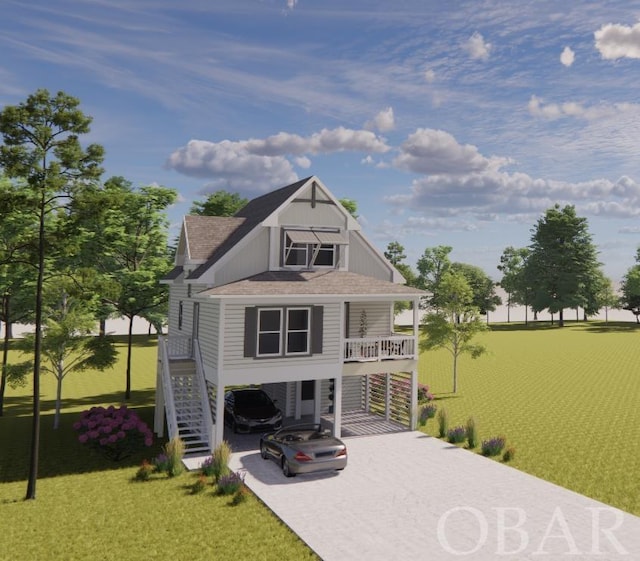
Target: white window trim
(311, 241)
(307, 351)
(279, 332)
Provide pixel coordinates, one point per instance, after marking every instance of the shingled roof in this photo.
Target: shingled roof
(245, 220)
(330, 282)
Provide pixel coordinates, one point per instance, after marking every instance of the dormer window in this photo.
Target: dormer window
(312, 248)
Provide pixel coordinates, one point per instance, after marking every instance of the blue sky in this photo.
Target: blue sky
(455, 123)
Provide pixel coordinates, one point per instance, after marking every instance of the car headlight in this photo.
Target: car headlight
(241, 419)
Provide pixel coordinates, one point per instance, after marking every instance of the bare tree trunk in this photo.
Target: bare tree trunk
(56, 417)
(5, 354)
(127, 394)
(561, 318)
(455, 373)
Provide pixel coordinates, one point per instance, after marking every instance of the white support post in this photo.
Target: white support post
(367, 393)
(387, 397)
(158, 419)
(317, 401)
(298, 410)
(337, 407)
(219, 422)
(413, 405)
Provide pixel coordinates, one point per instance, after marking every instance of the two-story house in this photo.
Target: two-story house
(289, 295)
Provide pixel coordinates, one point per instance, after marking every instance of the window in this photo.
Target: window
(269, 332)
(277, 332)
(180, 314)
(311, 248)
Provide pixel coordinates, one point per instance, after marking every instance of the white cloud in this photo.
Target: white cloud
(477, 47)
(567, 57)
(615, 40)
(291, 4)
(538, 108)
(383, 121)
(432, 151)
(259, 164)
(429, 76)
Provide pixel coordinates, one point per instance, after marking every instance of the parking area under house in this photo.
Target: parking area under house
(407, 496)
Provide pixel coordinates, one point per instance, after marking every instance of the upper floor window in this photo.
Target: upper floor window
(311, 248)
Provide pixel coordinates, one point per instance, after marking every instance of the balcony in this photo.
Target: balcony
(376, 349)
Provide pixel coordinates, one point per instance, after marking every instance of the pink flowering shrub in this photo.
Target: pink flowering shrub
(115, 431)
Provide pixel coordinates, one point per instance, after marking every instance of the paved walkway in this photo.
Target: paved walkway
(407, 496)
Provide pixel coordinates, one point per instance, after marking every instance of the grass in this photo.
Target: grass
(565, 398)
(89, 508)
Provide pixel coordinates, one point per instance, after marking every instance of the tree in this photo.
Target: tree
(431, 266)
(512, 265)
(351, 206)
(68, 344)
(395, 255)
(630, 289)
(41, 147)
(220, 203)
(456, 323)
(608, 298)
(484, 298)
(131, 231)
(563, 261)
(16, 295)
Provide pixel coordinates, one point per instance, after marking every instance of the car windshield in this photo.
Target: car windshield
(252, 399)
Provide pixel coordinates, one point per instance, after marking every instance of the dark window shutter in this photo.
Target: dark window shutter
(250, 331)
(317, 314)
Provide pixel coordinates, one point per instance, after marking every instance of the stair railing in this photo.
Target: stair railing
(204, 394)
(167, 389)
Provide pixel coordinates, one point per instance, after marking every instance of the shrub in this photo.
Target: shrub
(229, 484)
(423, 393)
(161, 463)
(493, 446)
(116, 432)
(206, 468)
(509, 454)
(426, 412)
(144, 471)
(443, 422)
(174, 450)
(199, 485)
(472, 433)
(220, 460)
(457, 435)
(240, 495)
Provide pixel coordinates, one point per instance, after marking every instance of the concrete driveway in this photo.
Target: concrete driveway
(407, 496)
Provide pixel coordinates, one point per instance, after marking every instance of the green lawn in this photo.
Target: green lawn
(566, 398)
(88, 507)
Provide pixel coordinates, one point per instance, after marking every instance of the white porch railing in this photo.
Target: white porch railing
(365, 349)
(204, 394)
(167, 389)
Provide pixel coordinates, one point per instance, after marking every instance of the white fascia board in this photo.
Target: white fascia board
(306, 299)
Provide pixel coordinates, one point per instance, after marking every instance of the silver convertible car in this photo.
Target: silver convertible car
(304, 449)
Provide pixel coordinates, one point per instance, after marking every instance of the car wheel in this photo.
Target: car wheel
(286, 470)
(263, 452)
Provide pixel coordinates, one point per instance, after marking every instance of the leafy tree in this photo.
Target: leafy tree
(68, 344)
(351, 206)
(132, 232)
(514, 281)
(485, 298)
(220, 203)
(607, 297)
(396, 256)
(41, 147)
(431, 266)
(16, 294)
(563, 261)
(456, 323)
(630, 289)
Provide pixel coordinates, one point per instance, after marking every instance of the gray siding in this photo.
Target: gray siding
(234, 358)
(378, 318)
(352, 393)
(177, 293)
(303, 214)
(364, 261)
(208, 332)
(253, 259)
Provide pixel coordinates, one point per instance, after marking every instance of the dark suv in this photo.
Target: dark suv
(251, 409)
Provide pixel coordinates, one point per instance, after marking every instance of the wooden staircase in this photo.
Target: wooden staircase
(188, 401)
